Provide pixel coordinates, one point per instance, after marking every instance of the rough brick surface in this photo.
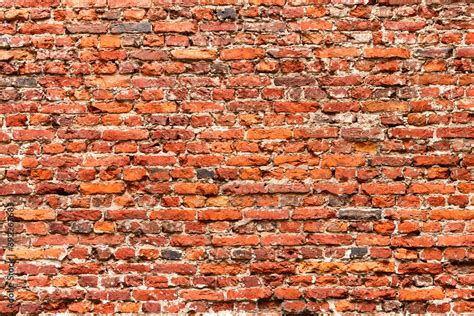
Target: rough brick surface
(288, 156)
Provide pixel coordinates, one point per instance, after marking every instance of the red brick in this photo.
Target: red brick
(385, 106)
(110, 107)
(219, 269)
(294, 107)
(14, 189)
(194, 54)
(172, 214)
(28, 135)
(383, 188)
(202, 295)
(430, 188)
(85, 3)
(240, 240)
(420, 268)
(154, 160)
(435, 79)
(15, 55)
(456, 241)
(326, 293)
(154, 295)
(435, 160)
(54, 240)
(110, 41)
(452, 214)
(421, 294)
(276, 133)
(242, 53)
(249, 294)
(102, 188)
(455, 132)
(175, 27)
(413, 242)
(330, 132)
(247, 161)
(266, 214)
(466, 187)
(185, 269)
(115, 135)
(219, 215)
(339, 52)
(405, 25)
(202, 107)
(311, 25)
(287, 293)
(155, 107)
(386, 52)
(36, 4)
(336, 188)
(334, 107)
(34, 215)
(134, 174)
(330, 239)
(195, 188)
(248, 81)
(130, 3)
(465, 52)
(342, 161)
(42, 28)
(410, 133)
(310, 213)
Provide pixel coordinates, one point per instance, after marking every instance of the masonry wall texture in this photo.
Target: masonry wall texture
(285, 156)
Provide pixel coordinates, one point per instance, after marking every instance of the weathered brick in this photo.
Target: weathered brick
(357, 214)
(383, 188)
(202, 295)
(248, 294)
(115, 135)
(281, 133)
(342, 52)
(143, 27)
(175, 27)
(28, 135)
(110, 41)
(219, 215)
(42, 28)
(311, 25)
(102, 188)
(129, 3)
(326, 293)
(110, 107)
(34, 215)
(85, 3)
(6, 55)
(385, 106)
(195, 188)
(90, 28)
(465, 52)
(405, 25)
(387, 52)
(294, 107)
(421, 294)
(156, 107)
(342, 161)
(242, 53)
(194, 54)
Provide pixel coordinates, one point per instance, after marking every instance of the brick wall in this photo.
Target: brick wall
(230, 155)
